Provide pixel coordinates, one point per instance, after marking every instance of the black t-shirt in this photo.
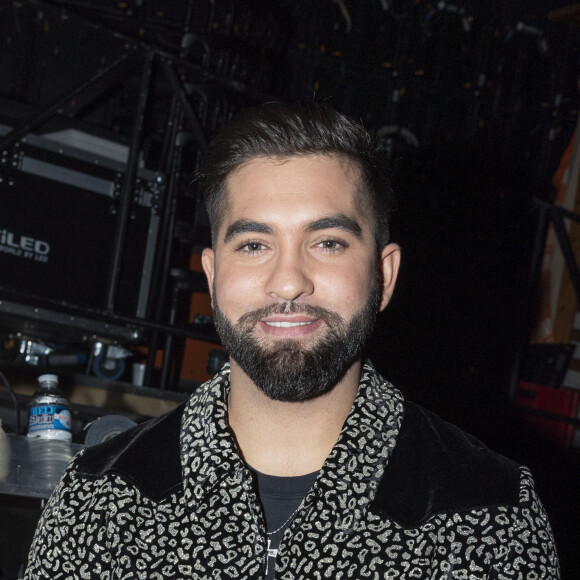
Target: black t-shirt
(281, 497)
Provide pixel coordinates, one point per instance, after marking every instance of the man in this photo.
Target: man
(297, 460)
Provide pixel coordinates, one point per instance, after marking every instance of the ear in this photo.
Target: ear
(389, 269)
(208, 264)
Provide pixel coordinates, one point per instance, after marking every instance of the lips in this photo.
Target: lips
(286, 324)
(290, 327)
(288, 319)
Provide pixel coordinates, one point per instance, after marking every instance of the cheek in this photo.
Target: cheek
(237, 290)
(346, 289)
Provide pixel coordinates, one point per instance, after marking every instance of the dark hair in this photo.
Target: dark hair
(277, 130)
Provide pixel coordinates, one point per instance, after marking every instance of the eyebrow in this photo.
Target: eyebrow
(339, 221)
(242, 226)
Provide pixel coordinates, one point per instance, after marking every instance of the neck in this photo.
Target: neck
(286, 439)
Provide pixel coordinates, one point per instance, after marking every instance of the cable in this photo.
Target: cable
(345, 14)
(14, 399)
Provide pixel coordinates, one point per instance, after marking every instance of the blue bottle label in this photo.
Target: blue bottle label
(49, 417)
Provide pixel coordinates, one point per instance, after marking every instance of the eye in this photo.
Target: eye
(252, 247)
(332, 245)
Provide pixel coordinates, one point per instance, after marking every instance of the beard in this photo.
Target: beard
(288, 370)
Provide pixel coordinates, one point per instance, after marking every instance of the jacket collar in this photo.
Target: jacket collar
(352, 471)
(433, 468)
(209, 455)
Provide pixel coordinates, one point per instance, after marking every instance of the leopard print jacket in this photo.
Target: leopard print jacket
(402, 495)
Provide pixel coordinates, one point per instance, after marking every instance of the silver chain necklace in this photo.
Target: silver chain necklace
(286, 522)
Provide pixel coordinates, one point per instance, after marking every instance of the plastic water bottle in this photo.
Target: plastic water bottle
(49, 416)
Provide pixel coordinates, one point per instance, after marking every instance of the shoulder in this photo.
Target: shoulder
(147, 456)
(436, 467)
(75, 527)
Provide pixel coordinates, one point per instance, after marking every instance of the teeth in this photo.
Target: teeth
(287, 324)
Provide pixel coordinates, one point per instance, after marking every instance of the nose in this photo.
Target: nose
(289, 277)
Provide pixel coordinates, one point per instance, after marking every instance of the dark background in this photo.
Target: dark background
(474, 103)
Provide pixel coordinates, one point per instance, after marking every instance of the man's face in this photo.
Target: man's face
(294, 275)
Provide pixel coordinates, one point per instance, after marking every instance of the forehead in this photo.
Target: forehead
(293, 189)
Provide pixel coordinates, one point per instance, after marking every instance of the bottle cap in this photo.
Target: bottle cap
(48, 379)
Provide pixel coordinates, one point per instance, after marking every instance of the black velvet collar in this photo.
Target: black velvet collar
(148, 455)
(436, 467)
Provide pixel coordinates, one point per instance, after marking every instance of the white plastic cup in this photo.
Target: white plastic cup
(138, 375)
